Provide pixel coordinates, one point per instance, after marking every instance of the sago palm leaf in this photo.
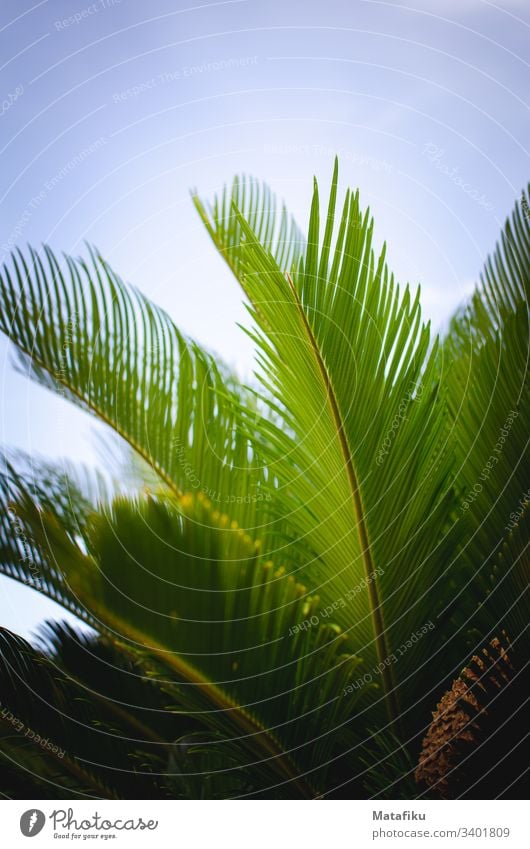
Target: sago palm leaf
(84, 334)
(359, 454)
(30, 490)
(488, 391)
(281, 235)
(348, 471)
(487, 349)
(59, 731)
(179, 582)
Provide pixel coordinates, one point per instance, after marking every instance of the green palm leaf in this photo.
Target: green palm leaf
(352, 469)
(84, 334)
(182, 584)
(280, 235)
(488, 395)
(359, 453)
(30, 490)
(73, 738)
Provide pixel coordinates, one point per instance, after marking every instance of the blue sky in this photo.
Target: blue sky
(111, 111)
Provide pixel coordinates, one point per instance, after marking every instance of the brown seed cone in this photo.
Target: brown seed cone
(461, 746)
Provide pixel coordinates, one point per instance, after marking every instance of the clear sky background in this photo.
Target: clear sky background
(112, 110)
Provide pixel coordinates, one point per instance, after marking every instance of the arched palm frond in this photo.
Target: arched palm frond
(65, 732)
(360, 453)
(180, 583)
(343, 537)
(488, 391)
(81, 332)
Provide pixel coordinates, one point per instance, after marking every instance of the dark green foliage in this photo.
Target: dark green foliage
(309, 562)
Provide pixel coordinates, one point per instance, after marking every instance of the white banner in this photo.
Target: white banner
(264, 824)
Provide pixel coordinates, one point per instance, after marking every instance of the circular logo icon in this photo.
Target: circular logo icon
(32, 822)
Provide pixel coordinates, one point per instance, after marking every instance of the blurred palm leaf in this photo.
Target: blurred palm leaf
(180, 582)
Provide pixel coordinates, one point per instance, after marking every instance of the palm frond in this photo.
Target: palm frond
(81, 332)
(30, 491)
(279, 234)
(359, 455)
(357, 526)
(189, 588)
(190, 591)
(74, 742)
(488, 394)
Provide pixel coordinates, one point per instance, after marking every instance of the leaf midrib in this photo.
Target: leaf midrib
(376, 609)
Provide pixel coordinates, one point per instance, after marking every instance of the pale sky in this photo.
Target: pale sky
(425, 103)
